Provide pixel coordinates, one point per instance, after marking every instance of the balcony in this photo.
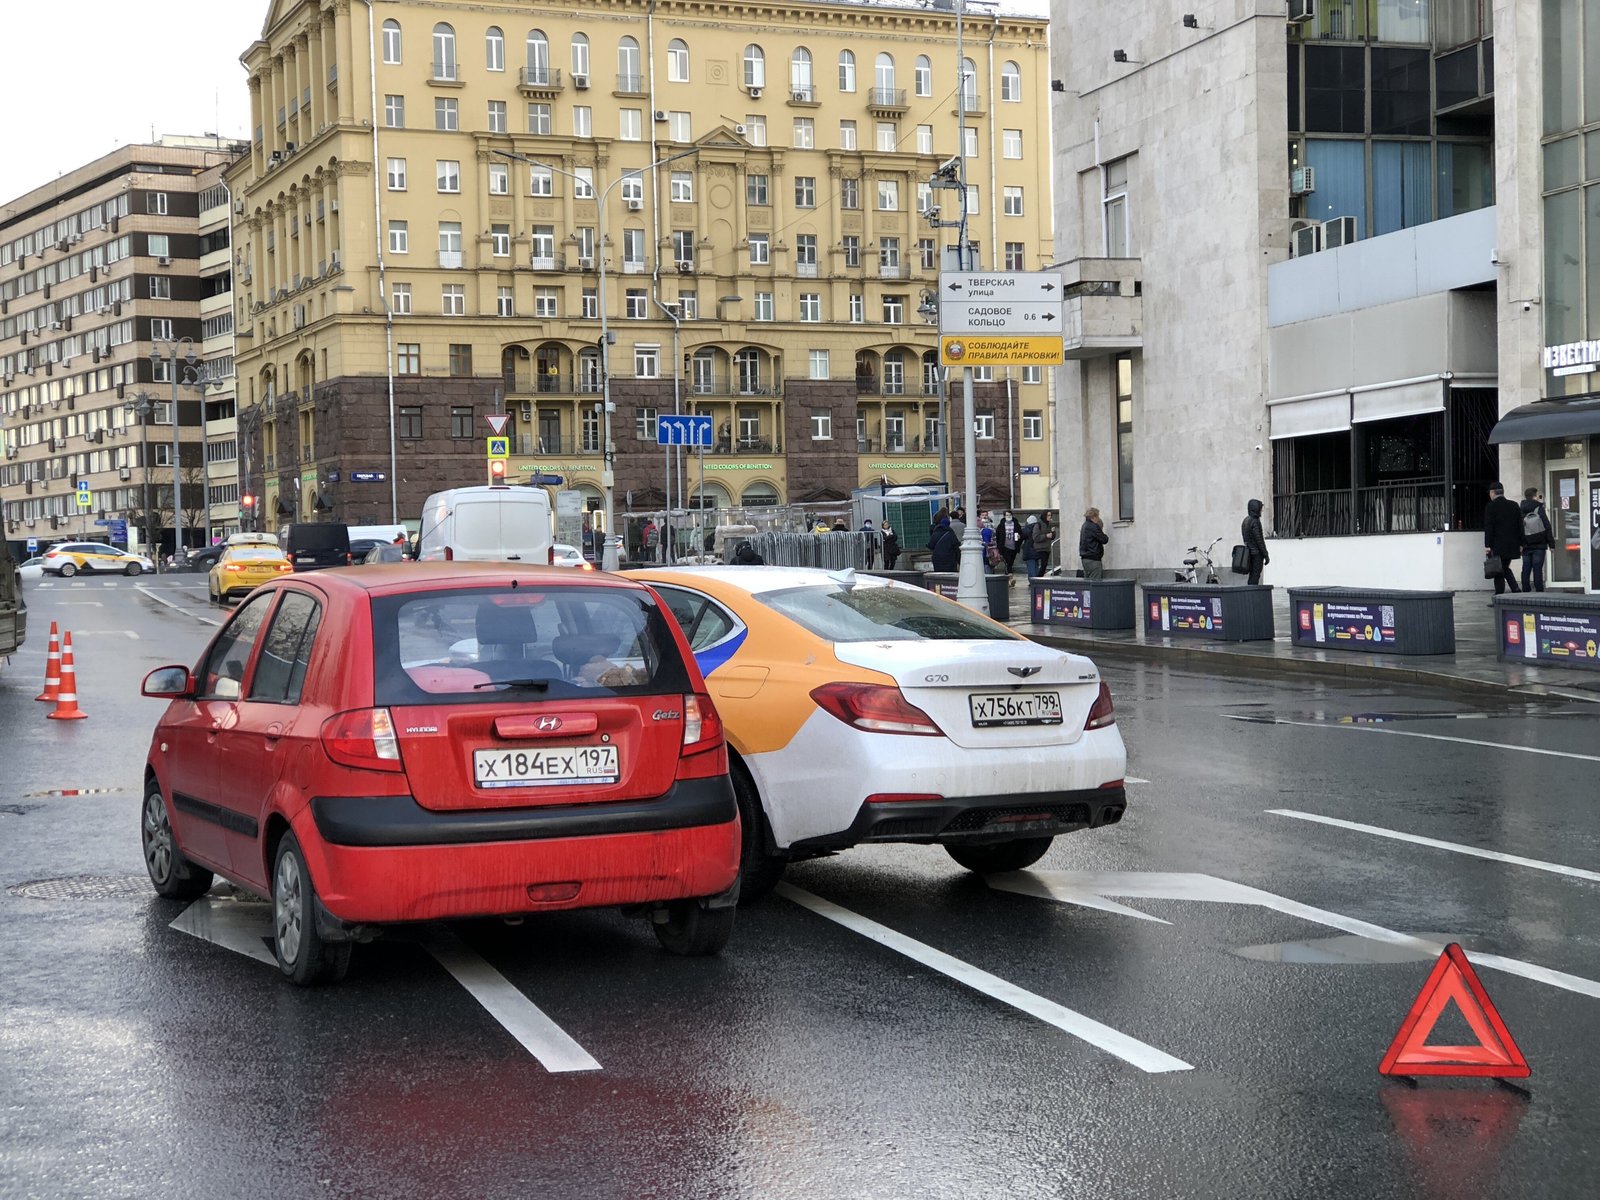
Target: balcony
(750, 444)
(803, 94)
(1103, 306)
(535, 82)
(445, 75)
(805, 270)
(887, 100)
(893, 271)
(630, 85)
(716, 383)
(550, 383)
(532, 445)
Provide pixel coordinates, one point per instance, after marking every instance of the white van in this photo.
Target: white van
(495, 523)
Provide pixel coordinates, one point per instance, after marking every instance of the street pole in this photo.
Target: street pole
(970, 589)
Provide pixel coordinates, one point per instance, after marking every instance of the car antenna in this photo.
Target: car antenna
(845, 578)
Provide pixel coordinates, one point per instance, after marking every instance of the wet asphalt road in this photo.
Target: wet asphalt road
(810, 1061)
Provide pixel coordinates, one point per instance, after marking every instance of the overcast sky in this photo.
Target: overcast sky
(83, 77)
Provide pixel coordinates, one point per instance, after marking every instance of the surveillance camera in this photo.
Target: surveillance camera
(1258, 449)
(1527, 306)
(950, 165)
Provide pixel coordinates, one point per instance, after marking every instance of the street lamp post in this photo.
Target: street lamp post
(610, 559)
(190, 371)
(142, 405)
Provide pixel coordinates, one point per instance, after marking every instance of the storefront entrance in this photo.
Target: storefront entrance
(1567, 501)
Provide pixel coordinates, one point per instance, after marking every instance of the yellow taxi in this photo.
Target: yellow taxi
(243, 568)
(66, 559)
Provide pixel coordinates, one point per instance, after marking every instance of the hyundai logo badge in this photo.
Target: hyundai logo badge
(547, 724)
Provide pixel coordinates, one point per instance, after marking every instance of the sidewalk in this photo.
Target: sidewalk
(1472, 668)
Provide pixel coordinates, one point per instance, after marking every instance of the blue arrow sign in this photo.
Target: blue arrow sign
(684, 429)
(367, 476)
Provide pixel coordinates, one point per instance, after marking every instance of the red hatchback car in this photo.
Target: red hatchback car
(419, 742)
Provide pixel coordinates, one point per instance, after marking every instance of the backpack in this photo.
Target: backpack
(1532, 523)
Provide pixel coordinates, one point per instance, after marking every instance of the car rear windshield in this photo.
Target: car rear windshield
(253, 553)
(490, 644)
(880, 613)
(319, 537)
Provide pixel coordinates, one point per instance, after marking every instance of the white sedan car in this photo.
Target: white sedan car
(863, 710)
(564, 555)
(32, 570)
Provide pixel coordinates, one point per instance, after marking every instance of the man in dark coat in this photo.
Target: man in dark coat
(1502, 536)
(891, 546)
(1255, 541)
(946, 547)
(1092, 539)
(1537, 538)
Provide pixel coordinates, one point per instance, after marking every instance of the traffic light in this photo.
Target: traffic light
(497, 470)
(247, 511)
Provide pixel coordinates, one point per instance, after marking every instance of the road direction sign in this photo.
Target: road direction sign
(498, 446)
(683, 429)
(999, 286)
(497, 421)
(1004, 316)
(958, 350)
(367, 476)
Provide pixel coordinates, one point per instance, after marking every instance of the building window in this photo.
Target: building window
(1011, 199)
(646, 362)
(494, 49)
(580, 54)
(889, 252)
(805, 133)
(688, 306)
(453, 300)
(460, 421)
(755, 189)
(1011, 83)
(499, 179)
(161, 329)
(922, 76)
(541, 181)
(969, 141)
(764, 311)
(972, 200)
(542, 247)
(755, 67)
(633, 186)
(450, 244)
(1124, 402)
(811, 306)
(755, 129)
(636, 305)
(1032, 374)
(894, 310)
(633, 250)
(448, 173)
(883, 73)
(589, 304)
(644, 423)
(408, 358)
(394, 112)
(397, 174)
(500, 240)
(409, 425)
(160, 287)
(680, 127)
(399, 238)
(805, 191)
(583, 184)
(683, 249)
(1011, 143)
(888, 195)
(1116, 209)
(1033, 426)
(539, 118)
(546, 302)
(924, 139)
(1014, 256)
(760, 250)
(400, 299)
(847, 135)
(888, 135)
(391, 43)
(582, 121)
(805, 253)
(852, 250)
(677, 61)
(819, 368)
(858, 308)
(682, 187)
(983, 425)
(629, 78)
(497, 118)
(446, 114)
(505, 304)
(460, 359)
(629, 124)
(927, 253)
(847, 71)
(444, 52)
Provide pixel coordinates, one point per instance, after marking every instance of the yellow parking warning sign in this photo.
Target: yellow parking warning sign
(499, 446)
(1029, 350)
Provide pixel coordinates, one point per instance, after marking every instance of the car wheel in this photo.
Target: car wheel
(759, 872)
(173, 876)
(693, 931)
(68, 570)
(1001, 856)
(302, 953)
(133, 569)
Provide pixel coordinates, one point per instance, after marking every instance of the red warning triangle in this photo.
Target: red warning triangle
(1496, 1053)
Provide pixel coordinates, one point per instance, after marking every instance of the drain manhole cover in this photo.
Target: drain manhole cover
(84, 887)
(73, 792)
(17, 810)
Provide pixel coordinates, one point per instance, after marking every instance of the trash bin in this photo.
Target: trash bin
(946, 583)
(1084, 603)
(1208, 610)
(1383, 620)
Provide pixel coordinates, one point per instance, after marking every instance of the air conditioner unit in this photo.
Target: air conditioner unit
(800, 97)
(686, 266)
(1302, 181)
(11, 451)
(124, 473)
(755, 93)
(275, 158)
(581, 82)
(526, 412)
(55, 324)
(635, 205)
(661, 114)
(1305, 238)
(238, 207)
(739, 129)
(1301, 11)
(289, 148)
(585, 264)
(1340, 231)
(163, 261)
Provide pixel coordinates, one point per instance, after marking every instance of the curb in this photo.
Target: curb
(1219, 660)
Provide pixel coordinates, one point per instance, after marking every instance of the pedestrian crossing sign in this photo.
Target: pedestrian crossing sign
(85, 497)
(499, 446)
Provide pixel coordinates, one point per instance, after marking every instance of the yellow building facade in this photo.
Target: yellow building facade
(434, 190)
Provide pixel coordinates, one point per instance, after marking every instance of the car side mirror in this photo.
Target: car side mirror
(168, 683)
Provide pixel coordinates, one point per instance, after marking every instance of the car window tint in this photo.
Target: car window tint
(222, 677)
(868, 613)
(286, 650)
(434, 647)
(255, 553)
(703, 623)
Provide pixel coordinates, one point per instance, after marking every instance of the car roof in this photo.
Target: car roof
(403, 577)
(755, 580)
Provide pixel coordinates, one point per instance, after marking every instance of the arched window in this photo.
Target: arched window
(894, 373)
(538, 57)
(969, 84)
(883, 73)
(444, 51)
(1011, 83)
(580, 55)
(800, 80)
(747, 367)
(709, 496)
(391, 42)
(759, 495)
(677, 61)
(494, 49)
(924, 75)
(755, 66)
(628, 77)
(847, 71)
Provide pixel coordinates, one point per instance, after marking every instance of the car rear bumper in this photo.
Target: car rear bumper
(973, 820)
(383, 859)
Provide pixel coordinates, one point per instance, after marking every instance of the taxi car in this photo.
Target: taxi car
(242, 569)
(332, 751)
(66, 559)
(861, 709)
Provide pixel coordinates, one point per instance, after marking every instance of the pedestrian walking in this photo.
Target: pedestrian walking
(652, 541)
(1255, 542)
(1502, 539)
(958, 523)
(1041, 538)
(946, 547)
(992, 561)
(1009, 534)
(1537, 538)
(1092, 539)
(871, 550)
(891, 547)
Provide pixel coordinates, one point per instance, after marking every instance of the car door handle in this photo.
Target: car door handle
(273, 733)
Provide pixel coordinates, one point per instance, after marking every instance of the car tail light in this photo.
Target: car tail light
(363, 738)
(449, 554)
(705, 753)
(551, 555)
(903, 797)
(235, 567)
(874, 708)
(1101, 715)
(284, 566)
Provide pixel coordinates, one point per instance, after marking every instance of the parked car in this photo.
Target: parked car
(361, 547)
(864, 710)
(563, 555)
(315, 545)
(204, 559)
(330, 751)
(494, 523)
(242, 569)
(66, 559)
(32, 569)
(385, 552)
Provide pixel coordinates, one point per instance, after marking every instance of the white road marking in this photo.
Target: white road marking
(127, 633)
(176, 607)
(1112, 1041)
(1161, 885)
(77, 585)
(80, 604)
(523, 1019)
(233, 925)
(1133, 779)
(1432, 737)
(1456, 847)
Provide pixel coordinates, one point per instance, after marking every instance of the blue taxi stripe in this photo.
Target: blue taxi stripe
(713, 657)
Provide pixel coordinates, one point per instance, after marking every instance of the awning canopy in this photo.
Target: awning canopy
(1548, 419)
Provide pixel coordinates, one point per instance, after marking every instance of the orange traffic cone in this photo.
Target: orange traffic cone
(66, 708)
(52, 668)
